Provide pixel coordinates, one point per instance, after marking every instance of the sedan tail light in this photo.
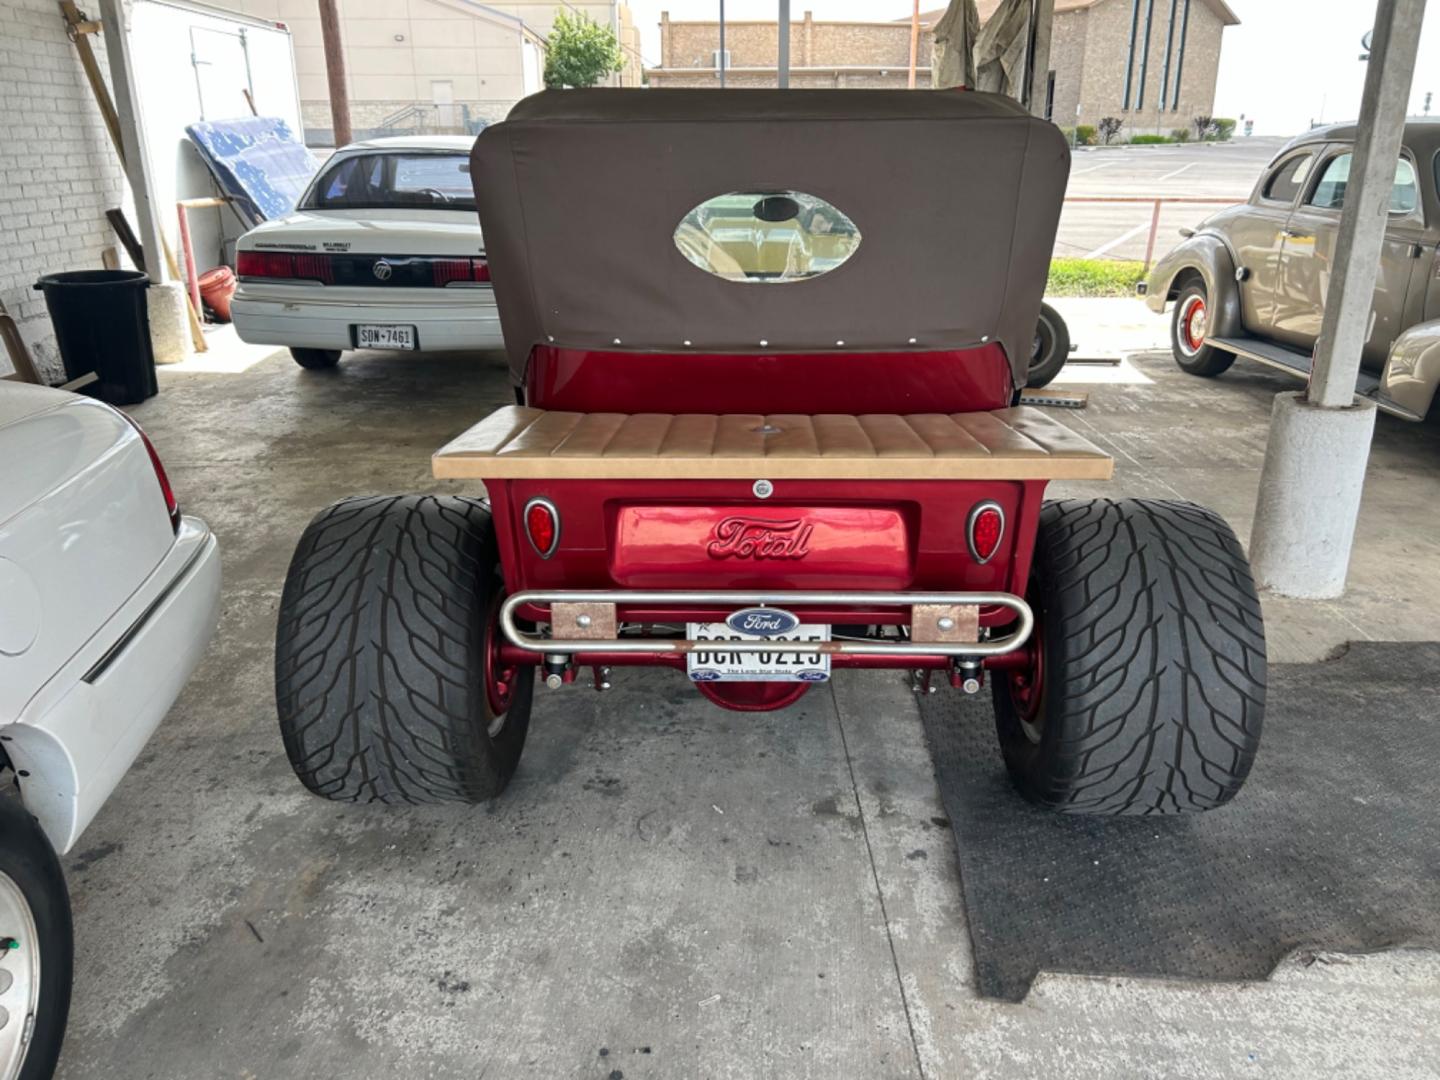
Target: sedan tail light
(445, 271)
(172, 505)
(284, 265)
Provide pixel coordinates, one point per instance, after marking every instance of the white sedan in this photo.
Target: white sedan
(108, 598)
(383, 251)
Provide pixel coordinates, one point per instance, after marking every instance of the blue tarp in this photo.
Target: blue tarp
(258, 162)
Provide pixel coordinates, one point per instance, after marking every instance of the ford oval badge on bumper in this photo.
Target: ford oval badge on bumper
(765, 621)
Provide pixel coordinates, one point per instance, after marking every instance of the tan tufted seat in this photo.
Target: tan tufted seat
(517, 442)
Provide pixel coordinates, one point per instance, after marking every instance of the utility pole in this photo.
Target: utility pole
(782, 70)
(722, 44)
(335, 72)
(914, 42)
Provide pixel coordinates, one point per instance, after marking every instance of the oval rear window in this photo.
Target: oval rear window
(766, 236)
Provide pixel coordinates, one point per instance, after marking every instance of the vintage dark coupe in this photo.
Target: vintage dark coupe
(767, 350)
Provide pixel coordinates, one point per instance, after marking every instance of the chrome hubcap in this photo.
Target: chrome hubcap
(19, 977)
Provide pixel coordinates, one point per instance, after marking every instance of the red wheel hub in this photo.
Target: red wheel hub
(1193, 323)
(1027, 684)
(500, 678)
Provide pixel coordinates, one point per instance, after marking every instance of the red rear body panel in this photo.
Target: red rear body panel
(861, 535)
(956, 380)
(700, 533)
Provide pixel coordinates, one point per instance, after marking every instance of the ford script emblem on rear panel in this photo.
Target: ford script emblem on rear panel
(382, 270)
(765, 621)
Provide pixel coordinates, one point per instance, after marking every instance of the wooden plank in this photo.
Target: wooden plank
(15, 348)
(1011, 444)
(126, 235)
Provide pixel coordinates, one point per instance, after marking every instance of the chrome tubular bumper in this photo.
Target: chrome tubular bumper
(783, 598)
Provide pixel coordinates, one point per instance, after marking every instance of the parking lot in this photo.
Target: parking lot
(1224, 172)
(666, 889)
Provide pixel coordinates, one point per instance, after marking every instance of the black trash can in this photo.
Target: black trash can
(102, 325)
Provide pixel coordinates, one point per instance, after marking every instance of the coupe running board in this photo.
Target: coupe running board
(1296, 363)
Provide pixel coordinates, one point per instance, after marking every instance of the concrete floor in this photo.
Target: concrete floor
(666, 889)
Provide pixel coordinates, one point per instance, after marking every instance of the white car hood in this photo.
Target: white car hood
(371, 232)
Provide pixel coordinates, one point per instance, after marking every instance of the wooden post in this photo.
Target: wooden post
(335, 72)
(914, 42)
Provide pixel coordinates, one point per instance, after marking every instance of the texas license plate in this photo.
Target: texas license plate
(382, 336)
(713, 663)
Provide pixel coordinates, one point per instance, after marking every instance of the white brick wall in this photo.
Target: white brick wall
(58, 172)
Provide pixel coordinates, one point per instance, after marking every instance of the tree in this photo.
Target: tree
(1204, 127)
(580, 52)
(1110, 129)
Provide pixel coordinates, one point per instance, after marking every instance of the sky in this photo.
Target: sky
(1289, 63)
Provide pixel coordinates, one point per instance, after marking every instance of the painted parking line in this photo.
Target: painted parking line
(1113, 244)
(1094, 168)
(1177, 172)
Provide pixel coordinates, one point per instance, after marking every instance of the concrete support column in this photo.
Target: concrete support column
(1315, 459)
(1310, 496)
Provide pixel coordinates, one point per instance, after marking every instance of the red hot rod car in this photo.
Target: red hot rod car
(767, 349)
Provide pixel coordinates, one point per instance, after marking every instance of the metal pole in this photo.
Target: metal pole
(1346, 322)
(1314, 472)
(335, 72)
(1040, 57)
(1154, 228)
(782, 71)
(722, 44)
(914, 42)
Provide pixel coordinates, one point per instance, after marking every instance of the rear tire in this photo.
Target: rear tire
(1050, 350)
(1149, 691)
(35, 916)
(316, 359)
(387, 680)
(1188, 326)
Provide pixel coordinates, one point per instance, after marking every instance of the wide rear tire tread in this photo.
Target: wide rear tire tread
(1155, 670)
(379, 655)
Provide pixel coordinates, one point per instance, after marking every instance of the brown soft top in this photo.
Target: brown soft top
(956, 197)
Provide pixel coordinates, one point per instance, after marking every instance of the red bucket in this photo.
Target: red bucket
(216, 288)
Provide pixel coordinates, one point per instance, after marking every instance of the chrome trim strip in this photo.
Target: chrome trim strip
(111, 654)
(779, 598)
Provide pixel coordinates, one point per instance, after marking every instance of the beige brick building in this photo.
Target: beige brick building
(1099, 59)
(1102, 67)
(822, 54)
(434, 65)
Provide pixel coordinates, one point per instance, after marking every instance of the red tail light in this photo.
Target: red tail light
(282, 264)
(172, 506)
(542, 526)
(444, 271)
(985, 530)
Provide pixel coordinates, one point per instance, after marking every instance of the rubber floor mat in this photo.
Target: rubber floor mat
(1333, 844)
